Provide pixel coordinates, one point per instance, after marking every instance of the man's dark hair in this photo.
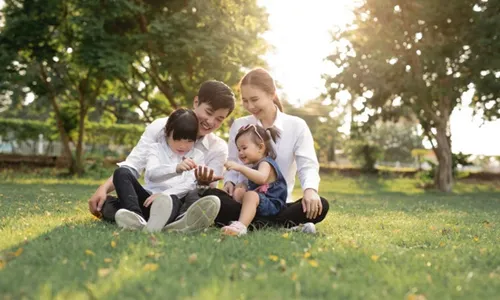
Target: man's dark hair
(184, 125)
(217, 94)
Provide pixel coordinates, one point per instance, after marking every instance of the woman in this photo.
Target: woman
(295, 153)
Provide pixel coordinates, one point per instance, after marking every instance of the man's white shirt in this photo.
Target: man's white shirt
(213, 148)
(295, 151)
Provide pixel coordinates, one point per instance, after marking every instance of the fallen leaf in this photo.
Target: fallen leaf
(273, 257)
(313, 263)
(192, 258)
(416, 297)
(113, 244)
(2, 264)
(153, 240)
(307, 254)
(89, 252)
(245, 242)
(18, 252)
(285, 235)
(442, 244)
(374, 257)
(476, 238)
(261, 262)
(293, 277)
(103, 272)
(150, 267)
(116, 233)
(108, 260)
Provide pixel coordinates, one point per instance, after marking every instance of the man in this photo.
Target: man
(215, 102)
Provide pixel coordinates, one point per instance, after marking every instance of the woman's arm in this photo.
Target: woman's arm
(305, 156)
(259, 176)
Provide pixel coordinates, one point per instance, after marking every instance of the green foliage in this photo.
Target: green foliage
(426, 178)
(23, 130)
(414, 59)
(97, 134)
(114, 134)
(364, 152)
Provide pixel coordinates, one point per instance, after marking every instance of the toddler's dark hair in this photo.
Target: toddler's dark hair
(261, 135)
(183, 123)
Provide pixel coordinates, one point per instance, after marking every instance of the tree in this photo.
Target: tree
(416, 59)
(173, 46)
(75, 54)
(42, 52)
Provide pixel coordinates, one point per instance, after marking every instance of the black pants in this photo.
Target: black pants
(131, 196)
(292, 215)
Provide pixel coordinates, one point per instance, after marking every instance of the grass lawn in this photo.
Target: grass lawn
(383, 239)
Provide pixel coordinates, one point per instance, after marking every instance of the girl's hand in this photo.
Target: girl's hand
(150, 200)
(311, 204)
(186, 165)
(228, 188)
(231, 165)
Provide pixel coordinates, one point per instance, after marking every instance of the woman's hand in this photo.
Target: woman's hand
(311, 204)
(186, 164)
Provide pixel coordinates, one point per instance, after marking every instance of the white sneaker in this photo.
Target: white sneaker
(199, 216)
(160, 212)
(236, 229)
(129, 220)
(309, 228)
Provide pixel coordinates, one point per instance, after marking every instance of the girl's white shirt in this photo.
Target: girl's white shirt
(161, 175)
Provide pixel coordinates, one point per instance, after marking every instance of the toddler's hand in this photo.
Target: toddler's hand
(186, 165)
(231, 165)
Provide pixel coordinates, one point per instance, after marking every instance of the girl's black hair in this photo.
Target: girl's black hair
(183, 123)
(261, 135)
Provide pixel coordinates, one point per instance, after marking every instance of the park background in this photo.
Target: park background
(402, 99)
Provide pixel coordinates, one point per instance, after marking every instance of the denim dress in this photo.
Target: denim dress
(272, 196)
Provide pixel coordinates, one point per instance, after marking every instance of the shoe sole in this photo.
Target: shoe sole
(127, 220)
(199, 216)
(161, 209)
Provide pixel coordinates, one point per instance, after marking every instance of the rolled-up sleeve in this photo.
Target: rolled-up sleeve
(305, 156)
(138, 157)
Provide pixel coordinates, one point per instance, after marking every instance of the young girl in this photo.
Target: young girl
(267, 191)
(169, 171)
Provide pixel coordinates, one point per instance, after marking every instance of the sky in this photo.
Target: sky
(300, 35)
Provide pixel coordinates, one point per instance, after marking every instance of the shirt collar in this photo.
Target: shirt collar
(204, 141)
(278, 122)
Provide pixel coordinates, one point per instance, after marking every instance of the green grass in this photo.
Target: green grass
(383, 239)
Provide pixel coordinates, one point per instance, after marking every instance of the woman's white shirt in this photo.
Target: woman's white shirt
(295, 151)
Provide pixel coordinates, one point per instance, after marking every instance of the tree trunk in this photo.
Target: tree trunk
(60, 127)
(444, 175)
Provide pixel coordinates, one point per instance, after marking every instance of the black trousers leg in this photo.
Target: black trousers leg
(229, 209)
(130, 192)
(294, 215)
(109, 208)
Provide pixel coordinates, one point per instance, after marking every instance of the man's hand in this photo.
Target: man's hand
(150, 200)
(96, 202)
(232, 165)
(205, 175)
(186, 165)
(311, 204)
